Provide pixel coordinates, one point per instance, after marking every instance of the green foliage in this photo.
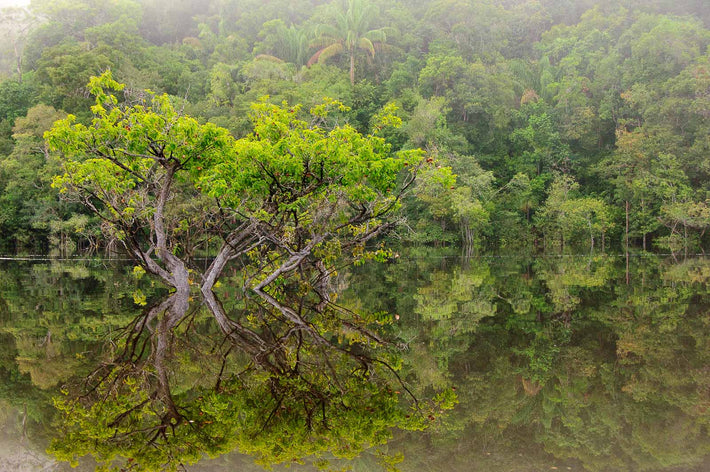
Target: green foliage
(312, 166)
(16, 98)
(537, 142)
(531, 87)
(113, 160)
(25, 179)
(350, 34)
(565, 217)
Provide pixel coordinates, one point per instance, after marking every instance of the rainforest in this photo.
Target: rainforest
(369, 235)
(568, 124)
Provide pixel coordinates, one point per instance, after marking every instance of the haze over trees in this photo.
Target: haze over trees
(567, 124)
(244, 153)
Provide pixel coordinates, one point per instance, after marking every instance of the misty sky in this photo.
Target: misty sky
(11, 3)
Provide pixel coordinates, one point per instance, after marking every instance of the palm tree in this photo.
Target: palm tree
(350, 35)
(283, 44)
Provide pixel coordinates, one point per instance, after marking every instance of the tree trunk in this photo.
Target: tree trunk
(627, 227)
(466, 232)
(352, 69)
(591, 234)
(175, 272)
(18, 58)
(643, 208)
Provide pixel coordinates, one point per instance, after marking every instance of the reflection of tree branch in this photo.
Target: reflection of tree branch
(360, 329)
(399, 379)
(268, 419)
(134, 335)
(121, 416)
(128, 354)
(295, 374)
(221, 370)
(243, 337)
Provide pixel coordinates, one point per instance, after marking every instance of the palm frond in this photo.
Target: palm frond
(324, 41)
(330, 51)
(377, 35)
(325, 53)
(366, 45)
(328, 31)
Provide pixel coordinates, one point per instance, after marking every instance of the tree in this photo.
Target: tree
(289, 44)
(16, 24)
(16, 98)
(350, 35)
(683, 215)
(292, 201)
(301, 195)
(645, 175)
(537, 143)
(565, 215)
(661, 47)
(480, 98)
(63, 71)
(478, 29)
(26, 197)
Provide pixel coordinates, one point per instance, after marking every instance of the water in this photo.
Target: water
(562, 363)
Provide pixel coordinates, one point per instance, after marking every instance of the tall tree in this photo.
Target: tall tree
(350, 34)
(289, 44)
(15, 24)
(301, 195)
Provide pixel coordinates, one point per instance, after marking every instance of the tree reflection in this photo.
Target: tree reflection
(283, 381)
(569, 367)
(556, 363)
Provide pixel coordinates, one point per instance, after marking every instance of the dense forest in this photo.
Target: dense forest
(569, 124)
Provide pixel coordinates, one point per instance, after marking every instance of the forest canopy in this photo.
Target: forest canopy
(567, 124)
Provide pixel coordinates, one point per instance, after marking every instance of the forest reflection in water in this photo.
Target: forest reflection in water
(556, 362)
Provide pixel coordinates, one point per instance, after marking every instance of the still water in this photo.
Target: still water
(509, 364)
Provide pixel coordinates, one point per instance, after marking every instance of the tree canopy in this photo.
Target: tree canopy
(550, 90)
(293, 191)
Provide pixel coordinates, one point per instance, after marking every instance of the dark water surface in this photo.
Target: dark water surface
(561, 363)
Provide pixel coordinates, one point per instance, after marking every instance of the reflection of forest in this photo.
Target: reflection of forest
(282, 381)
(556, 363)
(556, 354)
